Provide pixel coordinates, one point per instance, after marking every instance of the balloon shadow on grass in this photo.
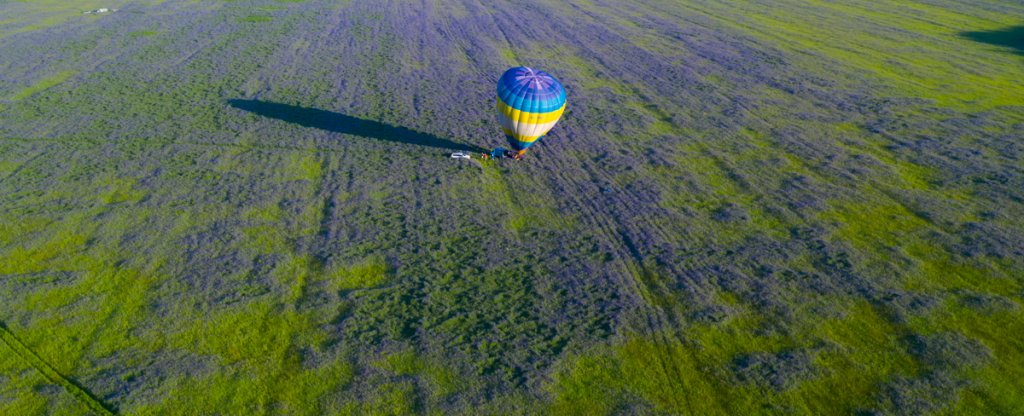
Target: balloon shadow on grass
(1011, 37)
(345, 124)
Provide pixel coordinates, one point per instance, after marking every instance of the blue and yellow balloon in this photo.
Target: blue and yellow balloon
(530, 102)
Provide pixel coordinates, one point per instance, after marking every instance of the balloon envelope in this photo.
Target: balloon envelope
(530, 102)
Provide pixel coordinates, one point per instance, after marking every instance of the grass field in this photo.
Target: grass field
(749, 207)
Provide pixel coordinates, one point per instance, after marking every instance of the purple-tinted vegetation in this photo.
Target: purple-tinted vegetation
(247, 207)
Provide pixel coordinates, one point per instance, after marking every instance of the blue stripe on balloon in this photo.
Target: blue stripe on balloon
(552, 92)
(525, 96)
(524, 101)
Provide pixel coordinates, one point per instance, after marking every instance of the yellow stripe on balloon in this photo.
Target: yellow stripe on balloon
(525, 129)
(524, 139)
(534, 118)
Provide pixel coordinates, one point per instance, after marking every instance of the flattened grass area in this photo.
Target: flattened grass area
(44, 84)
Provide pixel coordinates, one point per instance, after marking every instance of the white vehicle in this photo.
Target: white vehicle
(460, 155)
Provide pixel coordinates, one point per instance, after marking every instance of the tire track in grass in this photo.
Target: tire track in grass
(446, 28)
(500, 29)
(656, 324)
(629, 260)
(870, 291)
(44, 368)
(21, 166)
(662, 324)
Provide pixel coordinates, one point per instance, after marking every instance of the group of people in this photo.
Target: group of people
(500, 152)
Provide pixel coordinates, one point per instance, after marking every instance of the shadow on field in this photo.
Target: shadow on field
(1011, 37)
(341, 123)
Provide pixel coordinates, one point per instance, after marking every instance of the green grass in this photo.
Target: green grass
(302, 166)
(972, 78)
(143, 33)
(693, 378)
(368, 273)
(992, 388)
(256, 18)
(44, 84)
(389, 399)
(286, 274)
(519, 200)
(442, 380)
(29, 392)
(17, 349)
(38, 15)
(258, 346)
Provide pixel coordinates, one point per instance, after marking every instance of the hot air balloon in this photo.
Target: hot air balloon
(530, 102)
